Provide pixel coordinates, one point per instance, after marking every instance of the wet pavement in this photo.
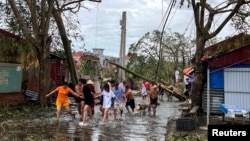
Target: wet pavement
(131, 127)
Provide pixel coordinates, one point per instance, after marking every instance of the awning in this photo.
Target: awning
(188, 71)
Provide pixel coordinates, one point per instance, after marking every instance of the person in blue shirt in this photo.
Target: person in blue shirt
(118, 105)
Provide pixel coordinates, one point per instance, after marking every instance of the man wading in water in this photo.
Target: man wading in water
(152, 99)
(130, 101)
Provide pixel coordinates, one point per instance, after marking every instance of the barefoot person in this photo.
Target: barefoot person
(119, 93)
(88, 101)
(90, 83)
(107, 94)
(153, 98)
(63, 99)
(79, 101)
(130, 101)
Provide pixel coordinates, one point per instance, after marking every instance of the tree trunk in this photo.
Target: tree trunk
(66, 45)
(45, 81)
(200, 73)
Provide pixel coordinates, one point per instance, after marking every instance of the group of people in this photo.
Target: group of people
(84, 96)
(113, 96)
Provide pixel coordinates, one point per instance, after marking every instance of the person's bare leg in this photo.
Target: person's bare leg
(80, 105)
(149, 109)
(69, 111)
(132, 109)
(58, 111)
(104, 115)
(121, 112)
(115, 113)
(85, 113)
(154, 111)
(91, 114)
(127, 109)
(101, 110)
(106, 111)
(79, 108)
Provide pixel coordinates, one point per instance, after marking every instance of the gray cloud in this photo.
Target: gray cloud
(101, 24)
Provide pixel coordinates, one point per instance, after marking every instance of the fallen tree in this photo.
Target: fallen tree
(176, 92)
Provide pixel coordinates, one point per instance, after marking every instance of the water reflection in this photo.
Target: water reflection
(135, 127)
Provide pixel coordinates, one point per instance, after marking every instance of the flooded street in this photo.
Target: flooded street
(132, 127)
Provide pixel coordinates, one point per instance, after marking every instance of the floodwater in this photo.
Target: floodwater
(131, 127)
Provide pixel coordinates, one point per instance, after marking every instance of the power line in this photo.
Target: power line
(188, 26)
(172, 17)
(96, 21)
(164, 17)
(160, 49)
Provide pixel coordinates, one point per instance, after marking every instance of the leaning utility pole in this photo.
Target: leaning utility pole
(121, 74)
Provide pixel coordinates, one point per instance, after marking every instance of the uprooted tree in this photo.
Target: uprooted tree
(176, 92)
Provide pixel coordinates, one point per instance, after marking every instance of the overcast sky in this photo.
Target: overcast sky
(101, 24)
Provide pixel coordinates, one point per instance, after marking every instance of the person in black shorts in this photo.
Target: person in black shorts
(88, 101)
(79, 101)
(153, 98)
(130, 101)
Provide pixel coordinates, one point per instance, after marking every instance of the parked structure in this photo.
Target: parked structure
(11, 55)
(229, 67)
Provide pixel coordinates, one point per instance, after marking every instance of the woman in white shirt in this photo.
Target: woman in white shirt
(142, 89)
(107, 94)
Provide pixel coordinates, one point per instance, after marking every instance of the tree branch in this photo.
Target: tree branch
(72, 9)
(32, 6)
(20, 20)
(227, 19)
(51, 5)
(43, 15)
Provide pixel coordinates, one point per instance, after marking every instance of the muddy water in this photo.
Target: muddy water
(131, 127)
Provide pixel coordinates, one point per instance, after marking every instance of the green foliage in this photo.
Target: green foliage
(9, 19)
(12, 49)
(241, 20)
(145, 55)
(89, 67)
(15, 118)
(19, 111)
(187, 137)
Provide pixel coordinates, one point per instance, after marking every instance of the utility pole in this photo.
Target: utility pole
(121, 74)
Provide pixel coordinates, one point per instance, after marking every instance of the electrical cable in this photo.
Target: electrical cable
(160, 49)
(164, 17)
(96, 26)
